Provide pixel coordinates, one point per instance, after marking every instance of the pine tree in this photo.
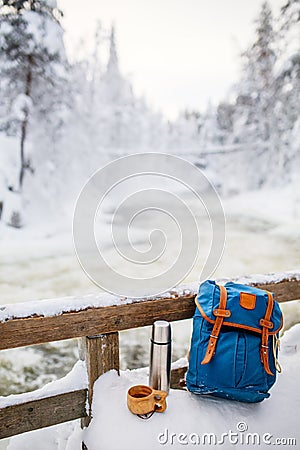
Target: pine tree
(254, 120)
(261, 60)
(126, 121)
(288, 82)
(33, 89)
(29, 70)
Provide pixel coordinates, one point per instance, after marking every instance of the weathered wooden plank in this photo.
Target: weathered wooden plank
(42, 413)
(284, 291)
(92, 321)
(101, 355)
(35, 330)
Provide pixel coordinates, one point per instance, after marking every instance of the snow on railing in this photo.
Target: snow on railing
(57, 306)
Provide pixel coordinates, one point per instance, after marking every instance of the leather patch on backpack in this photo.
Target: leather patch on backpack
(247, 301)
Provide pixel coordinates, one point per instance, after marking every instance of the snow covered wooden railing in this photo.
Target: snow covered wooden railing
(96, 319)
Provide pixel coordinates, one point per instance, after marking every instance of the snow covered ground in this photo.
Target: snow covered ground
(187, 418)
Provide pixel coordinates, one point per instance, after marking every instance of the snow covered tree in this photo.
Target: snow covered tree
(261, 60)
(120, 121)
(263, 120)
(118, 101)
(184, 132)
(45, 7)
(28, 66)
(254, 120)
(225, 113)
(32, 63)
(288, 82)
(289, 23)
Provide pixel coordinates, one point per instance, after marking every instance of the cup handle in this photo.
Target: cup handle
(160, 400)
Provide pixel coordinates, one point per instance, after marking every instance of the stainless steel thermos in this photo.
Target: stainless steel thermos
(160, 356)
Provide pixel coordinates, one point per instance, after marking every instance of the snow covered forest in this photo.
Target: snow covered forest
(61, 120)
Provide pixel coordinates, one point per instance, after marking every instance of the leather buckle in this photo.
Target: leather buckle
(266, 323)
(221, 312)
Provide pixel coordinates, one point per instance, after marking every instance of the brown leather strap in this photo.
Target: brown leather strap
(221, 313)
(266, 326)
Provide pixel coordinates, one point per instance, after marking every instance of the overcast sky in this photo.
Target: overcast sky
(178, 53)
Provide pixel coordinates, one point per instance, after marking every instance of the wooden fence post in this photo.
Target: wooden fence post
(101, 354)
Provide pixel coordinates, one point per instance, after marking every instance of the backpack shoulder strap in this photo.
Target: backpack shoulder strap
(266, 325)
(220, 313)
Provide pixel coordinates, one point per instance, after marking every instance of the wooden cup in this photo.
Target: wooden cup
(143, 400)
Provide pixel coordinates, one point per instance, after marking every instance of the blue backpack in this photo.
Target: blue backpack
(234, 342)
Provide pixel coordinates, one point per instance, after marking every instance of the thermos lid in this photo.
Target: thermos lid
(161, 332)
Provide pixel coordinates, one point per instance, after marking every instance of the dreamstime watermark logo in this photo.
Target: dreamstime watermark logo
(239, 437)
(143, 221)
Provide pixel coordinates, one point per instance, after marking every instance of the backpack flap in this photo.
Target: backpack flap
(246, 307)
